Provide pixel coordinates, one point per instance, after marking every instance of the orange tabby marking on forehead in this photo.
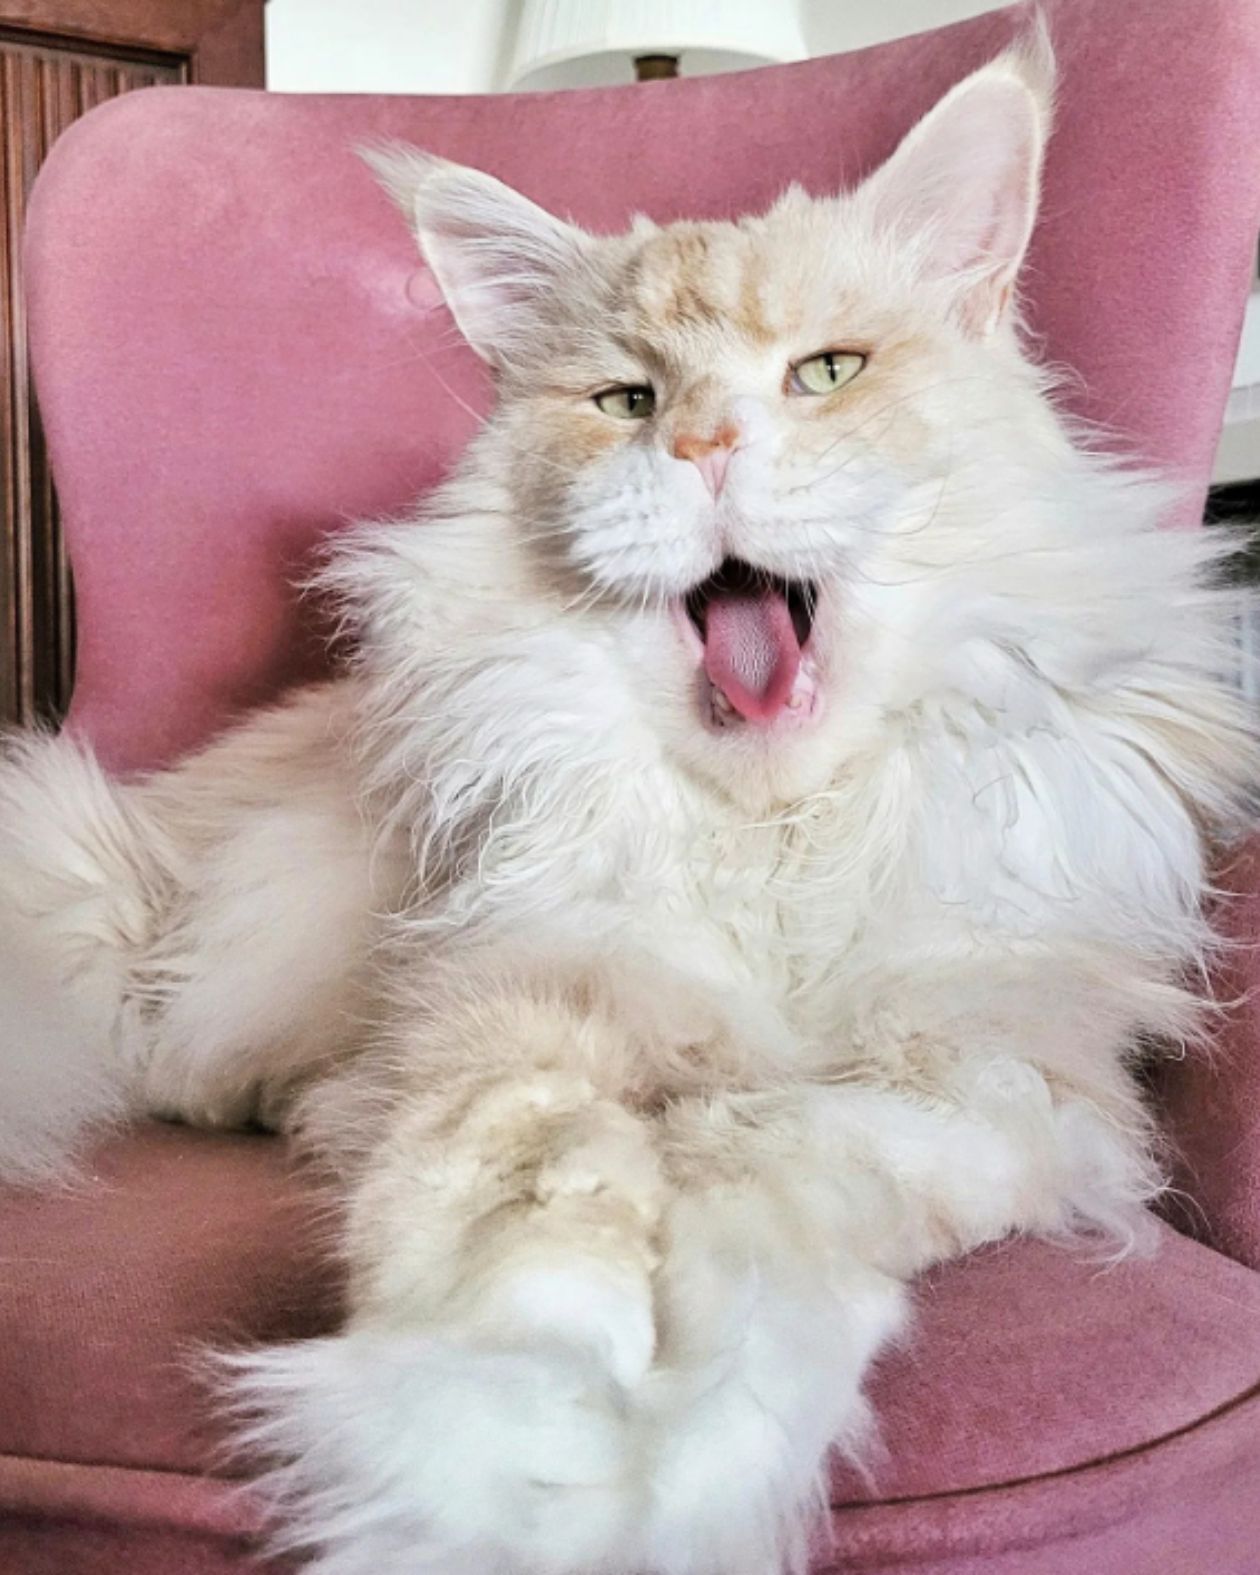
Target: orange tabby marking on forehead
(702, 275)
(750, 317)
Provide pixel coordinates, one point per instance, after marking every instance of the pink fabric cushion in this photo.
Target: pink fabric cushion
(1040, 1395)
(175, 1240)
(237, 349)
(1052, 1416)
(31, 1547)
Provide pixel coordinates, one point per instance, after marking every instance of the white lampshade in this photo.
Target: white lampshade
(594, 43)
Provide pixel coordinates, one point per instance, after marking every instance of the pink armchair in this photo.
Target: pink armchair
(237, 350)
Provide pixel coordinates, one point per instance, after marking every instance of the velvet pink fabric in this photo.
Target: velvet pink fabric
(1211, 1103)
(1039, 1391)
(237, 351)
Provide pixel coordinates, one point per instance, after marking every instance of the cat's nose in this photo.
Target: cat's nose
(710, 455)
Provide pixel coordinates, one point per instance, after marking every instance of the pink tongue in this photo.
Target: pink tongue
(751, 652)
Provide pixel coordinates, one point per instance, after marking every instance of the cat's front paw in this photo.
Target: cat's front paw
(394, 1454)
(602, 1310)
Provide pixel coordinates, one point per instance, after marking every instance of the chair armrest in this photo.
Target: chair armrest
(1211, 1099)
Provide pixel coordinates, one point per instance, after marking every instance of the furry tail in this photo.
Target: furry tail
(56, 1083)
(77, 876)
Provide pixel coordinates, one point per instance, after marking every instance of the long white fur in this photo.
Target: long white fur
(652, 1063)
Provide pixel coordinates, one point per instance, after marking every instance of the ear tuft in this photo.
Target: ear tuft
(1031, 58)
(961, 191)
(402, 171)
(497, 257)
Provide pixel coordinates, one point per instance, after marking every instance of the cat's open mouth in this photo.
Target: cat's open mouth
(754, 630)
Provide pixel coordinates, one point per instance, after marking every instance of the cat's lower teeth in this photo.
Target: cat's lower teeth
(721, 703)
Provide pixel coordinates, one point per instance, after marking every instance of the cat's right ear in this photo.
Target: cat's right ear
(496, 255)
(962, 189)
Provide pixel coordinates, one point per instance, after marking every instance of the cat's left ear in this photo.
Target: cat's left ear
(496, 255)
(962, 188)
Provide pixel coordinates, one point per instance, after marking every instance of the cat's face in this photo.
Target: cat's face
(714, 432)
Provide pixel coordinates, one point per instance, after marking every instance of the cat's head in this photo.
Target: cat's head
(727, 440)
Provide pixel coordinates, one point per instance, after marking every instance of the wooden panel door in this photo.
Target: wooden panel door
(59, 58)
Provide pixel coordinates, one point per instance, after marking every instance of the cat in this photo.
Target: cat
(766, 811)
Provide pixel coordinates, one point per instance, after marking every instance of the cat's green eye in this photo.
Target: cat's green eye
(823, 374)
(634, 402)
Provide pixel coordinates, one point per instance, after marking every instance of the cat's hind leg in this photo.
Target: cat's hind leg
(83, 874)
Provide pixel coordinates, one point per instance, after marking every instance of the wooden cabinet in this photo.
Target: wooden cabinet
(59, 58)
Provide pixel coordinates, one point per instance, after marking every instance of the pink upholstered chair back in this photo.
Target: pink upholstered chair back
(237, 349)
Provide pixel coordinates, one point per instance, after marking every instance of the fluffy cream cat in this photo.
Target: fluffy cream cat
(767, 809)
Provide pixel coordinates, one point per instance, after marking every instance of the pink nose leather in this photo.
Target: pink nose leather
(712, 466)
(710, 456)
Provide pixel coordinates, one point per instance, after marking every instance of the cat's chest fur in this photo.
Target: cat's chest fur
(963, 832)
(946, 846)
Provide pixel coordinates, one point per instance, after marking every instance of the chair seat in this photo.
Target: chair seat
(1042, 1391)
